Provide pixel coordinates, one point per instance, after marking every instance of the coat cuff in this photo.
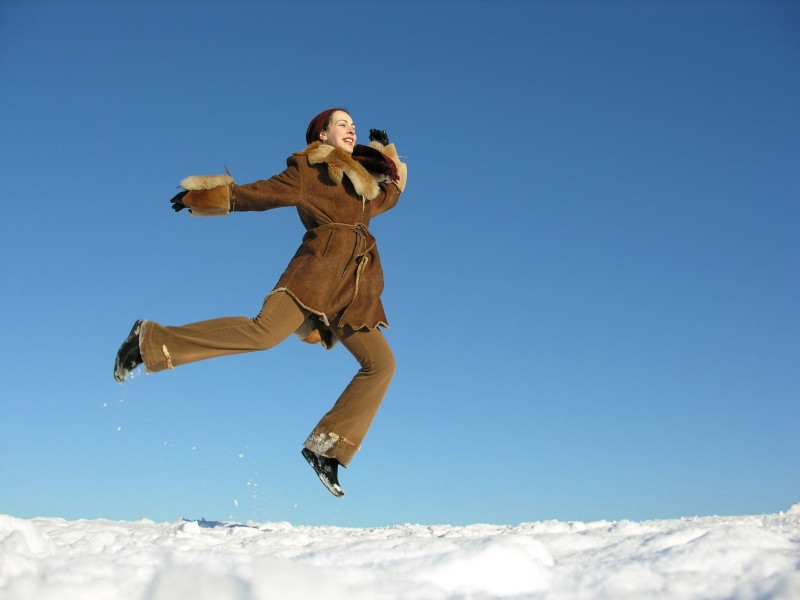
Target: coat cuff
(209, 195)
(391, 152)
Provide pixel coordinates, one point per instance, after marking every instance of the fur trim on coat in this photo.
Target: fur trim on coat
(340, 163)
(391, 152)
(209, 195)
(206, 182)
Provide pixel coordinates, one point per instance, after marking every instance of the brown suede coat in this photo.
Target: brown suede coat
(336, 273)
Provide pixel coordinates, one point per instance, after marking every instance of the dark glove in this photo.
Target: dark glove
(177, 201)
(378, 135)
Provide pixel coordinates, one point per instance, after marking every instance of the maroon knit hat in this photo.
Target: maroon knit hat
(370, 158)
(318, 124)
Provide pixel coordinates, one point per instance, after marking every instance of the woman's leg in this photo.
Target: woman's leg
(167, 347)
(340, 432)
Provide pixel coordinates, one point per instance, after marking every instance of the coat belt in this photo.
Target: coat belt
(364, 243)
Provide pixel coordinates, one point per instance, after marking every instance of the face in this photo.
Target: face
(341, 133)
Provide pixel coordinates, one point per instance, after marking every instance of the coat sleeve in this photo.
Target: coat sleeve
(276, 192)
(387, 199)
(390, 191)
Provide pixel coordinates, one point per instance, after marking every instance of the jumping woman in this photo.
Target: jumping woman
(330, 292)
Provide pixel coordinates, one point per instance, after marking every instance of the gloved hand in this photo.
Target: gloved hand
(379, 135)
(177, 201)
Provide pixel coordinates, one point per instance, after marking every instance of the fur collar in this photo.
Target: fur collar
(340, 163)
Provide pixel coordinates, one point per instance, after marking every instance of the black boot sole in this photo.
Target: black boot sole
(332, 486)
(128, 356)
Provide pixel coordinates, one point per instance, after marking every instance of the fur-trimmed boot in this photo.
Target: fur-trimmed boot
(327, 470)
(128, 356)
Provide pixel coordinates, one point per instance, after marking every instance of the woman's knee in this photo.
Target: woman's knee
(386, 364)
(380, 362)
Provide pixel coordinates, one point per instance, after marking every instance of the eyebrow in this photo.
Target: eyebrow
(345, 121)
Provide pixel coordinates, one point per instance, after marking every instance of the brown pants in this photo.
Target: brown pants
(340, 432)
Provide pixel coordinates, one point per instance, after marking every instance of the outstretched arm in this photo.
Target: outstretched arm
(213, 195)
(278, 191)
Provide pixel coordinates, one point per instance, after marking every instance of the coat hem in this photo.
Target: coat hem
(323, 316)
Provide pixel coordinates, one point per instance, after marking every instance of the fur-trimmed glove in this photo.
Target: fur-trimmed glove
(204, 195)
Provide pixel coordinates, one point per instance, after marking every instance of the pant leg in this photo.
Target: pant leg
(340, 432)
(167, 347)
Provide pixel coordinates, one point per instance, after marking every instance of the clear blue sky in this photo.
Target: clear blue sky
(592, 277)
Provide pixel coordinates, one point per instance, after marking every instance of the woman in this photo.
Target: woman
(329, 293)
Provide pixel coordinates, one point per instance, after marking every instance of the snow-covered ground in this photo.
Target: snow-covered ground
(708, 557)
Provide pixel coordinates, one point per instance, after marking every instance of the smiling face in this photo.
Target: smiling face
(340, 132)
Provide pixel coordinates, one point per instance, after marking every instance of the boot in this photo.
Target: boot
(128, 355)
(327, 470)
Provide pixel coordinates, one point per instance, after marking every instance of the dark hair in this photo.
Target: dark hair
(329, 120)
(319, 123)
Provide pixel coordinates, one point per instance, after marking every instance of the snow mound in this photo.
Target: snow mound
(711, 557)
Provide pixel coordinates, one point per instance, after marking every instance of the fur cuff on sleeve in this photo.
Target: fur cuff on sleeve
(206, 182)
(209, 195)
(391, 152)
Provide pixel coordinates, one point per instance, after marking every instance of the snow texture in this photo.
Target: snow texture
(745, 557)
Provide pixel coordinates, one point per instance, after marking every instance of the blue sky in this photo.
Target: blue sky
(592, 277)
